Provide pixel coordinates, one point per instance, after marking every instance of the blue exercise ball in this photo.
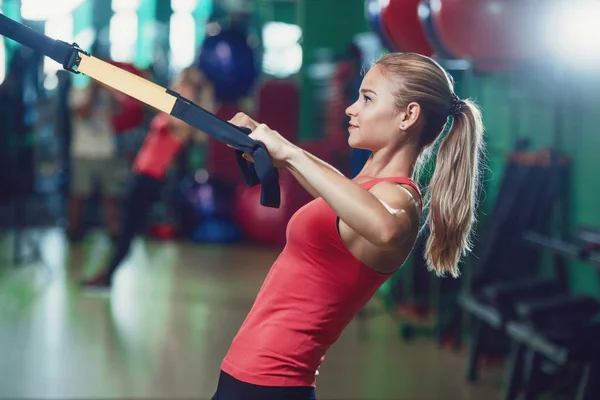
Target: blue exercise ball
(216, 230)
(373, 13)
(230, 64)
(204, 205)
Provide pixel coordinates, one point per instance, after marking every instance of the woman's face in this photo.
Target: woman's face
(374, 118)
(185, 89)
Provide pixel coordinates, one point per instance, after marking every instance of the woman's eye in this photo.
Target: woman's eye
(367, 99)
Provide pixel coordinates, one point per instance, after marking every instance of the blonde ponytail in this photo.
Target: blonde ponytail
(452, 192)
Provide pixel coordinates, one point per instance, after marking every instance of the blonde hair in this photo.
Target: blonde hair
(204, 92)
(191, 76)
(451, 197)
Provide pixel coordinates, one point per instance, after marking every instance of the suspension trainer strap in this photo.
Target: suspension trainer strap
(75, 60)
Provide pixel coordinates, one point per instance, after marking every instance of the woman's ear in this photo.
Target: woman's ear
(410, 116)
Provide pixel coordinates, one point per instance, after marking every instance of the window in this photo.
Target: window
(41, 10)
(283, 53)
(60, 27)
(124, 5)
(182, 36)
(185, 6)
(123, 30)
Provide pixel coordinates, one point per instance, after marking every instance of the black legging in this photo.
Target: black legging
(230, 388)
(143, 193)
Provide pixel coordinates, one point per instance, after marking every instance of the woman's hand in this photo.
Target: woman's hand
(244, 121)
(279, 148)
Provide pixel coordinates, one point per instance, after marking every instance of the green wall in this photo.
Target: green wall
(278, 11)
(325, 24)
(524, 104)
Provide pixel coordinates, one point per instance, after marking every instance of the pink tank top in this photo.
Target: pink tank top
(311, 293)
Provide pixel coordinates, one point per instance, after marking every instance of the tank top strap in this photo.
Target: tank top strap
(401, 180)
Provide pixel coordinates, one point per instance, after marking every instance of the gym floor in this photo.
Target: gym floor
(167, 324)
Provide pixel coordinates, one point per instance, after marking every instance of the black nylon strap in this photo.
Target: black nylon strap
(61, 52)
(261, 171)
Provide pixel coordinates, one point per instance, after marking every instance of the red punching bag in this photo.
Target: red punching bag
(493, 33)
(400, 19)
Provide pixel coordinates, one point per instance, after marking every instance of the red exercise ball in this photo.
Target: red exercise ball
(163, 231)
(400, 19)
(492, 33)
(266, 225)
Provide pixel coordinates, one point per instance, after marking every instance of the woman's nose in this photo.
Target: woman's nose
(350, 110)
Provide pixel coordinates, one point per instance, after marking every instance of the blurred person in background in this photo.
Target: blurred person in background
(165, 140)
(94, 163)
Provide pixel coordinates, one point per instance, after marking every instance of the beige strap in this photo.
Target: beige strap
(128, 83)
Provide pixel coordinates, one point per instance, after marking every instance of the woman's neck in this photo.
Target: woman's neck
(390, 162)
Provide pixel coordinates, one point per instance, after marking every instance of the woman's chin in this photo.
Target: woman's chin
(352, 142)
(356, 144)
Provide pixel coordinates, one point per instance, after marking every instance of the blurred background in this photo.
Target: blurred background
(521, 322)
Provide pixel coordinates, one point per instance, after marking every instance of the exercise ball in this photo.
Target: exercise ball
(216, 230)
(163, 231)
(207, 195)
(400, 20)
(426, 18)
(266, 225)
(204, 206)
(373, 14)
(229, 63)
(492, 33)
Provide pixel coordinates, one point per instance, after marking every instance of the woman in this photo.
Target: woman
(163, 143)
(343, 245)
(93, 157)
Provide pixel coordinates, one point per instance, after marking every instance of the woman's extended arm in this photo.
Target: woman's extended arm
(307, 186)
(244, 120)
(379, 215)
(381, 220)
